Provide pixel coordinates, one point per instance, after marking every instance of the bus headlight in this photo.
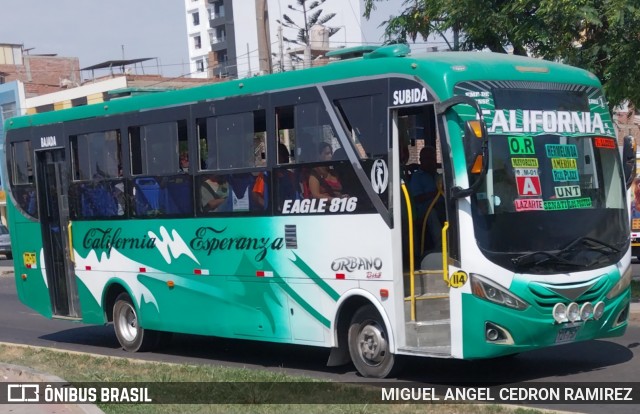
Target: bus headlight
(598, 310)
(560, 312)
(493, 292)
(586, 311)
(622, 284)
(573, 312)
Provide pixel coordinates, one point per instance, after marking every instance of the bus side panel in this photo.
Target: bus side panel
(30, 273)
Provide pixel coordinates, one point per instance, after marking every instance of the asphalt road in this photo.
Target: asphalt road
(606, 361)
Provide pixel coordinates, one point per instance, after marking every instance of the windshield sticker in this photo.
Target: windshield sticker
(568, 191)
(524, 162)
(521, 146)
(561, 151)
(528, 186)
(565, 175)
(526, 172)
(528, 204)
(567, 204)
(564, 164)
(607, 143)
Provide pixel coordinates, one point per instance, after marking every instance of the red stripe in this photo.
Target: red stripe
(260, 273)
(197, 271)
(143, 270)
(87, 268)
(340, 276)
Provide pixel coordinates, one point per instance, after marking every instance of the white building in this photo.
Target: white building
(223, 34)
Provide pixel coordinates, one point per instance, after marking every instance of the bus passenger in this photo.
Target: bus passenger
(184, 161)
(214, 192)
(423, 189)
(323, 183)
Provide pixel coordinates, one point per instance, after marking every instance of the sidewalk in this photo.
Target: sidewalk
(14, 373)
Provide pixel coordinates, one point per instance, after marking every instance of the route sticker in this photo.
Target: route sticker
(528, 186)
(564, 164)
(568, 191)
(565, 175)
(521, 146)
(524, 162)
(528, 204)
(567, 204)
(561, 151)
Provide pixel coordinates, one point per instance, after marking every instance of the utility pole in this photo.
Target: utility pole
(264, 44)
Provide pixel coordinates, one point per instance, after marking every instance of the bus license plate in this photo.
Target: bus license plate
(567, 334)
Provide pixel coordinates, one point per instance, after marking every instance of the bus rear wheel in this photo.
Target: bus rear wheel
(369, 344)
(131, 335)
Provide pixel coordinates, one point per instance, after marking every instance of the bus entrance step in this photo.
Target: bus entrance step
(428, 334)
(427, 283)
(428, 308)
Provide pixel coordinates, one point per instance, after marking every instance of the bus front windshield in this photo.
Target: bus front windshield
(554, 198)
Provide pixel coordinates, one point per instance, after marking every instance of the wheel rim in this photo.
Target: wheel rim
(128, 323)
(372, 345)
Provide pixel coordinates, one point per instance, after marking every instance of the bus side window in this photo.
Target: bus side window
(227, 143)
(22, 177)
(97, 189)
(161, 185)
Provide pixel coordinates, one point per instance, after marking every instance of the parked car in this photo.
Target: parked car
(5, 242)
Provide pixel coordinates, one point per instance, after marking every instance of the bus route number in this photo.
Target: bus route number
(458, 279)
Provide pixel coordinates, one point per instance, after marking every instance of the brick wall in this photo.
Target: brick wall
(43, 74)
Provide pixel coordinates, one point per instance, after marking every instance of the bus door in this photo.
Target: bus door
(423, 216)
(52, 190)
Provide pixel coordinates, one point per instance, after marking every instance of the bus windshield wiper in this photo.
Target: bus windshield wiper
(537, 258)
(584, 244)
(589, 243)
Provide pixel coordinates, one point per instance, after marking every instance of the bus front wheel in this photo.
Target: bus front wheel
(130, 334)
(369, 344)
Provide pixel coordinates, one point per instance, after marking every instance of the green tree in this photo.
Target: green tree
(602, 36)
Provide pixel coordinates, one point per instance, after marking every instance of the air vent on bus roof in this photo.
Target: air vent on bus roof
(399, 50)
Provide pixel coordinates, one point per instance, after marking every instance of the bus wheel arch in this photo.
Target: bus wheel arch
(362, 334)
(109, 299)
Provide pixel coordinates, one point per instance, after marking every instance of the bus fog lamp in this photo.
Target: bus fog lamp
(492, 334)
(598, 310)
(573, 312)
(586, 311)
(560, 313)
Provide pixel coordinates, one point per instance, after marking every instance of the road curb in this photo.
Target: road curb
(17, 373)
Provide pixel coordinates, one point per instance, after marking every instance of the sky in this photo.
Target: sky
(96, 30)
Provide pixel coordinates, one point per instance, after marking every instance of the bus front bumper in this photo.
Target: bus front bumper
(491, 330)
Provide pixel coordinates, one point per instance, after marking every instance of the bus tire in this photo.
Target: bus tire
(369, 344)
(131, 335)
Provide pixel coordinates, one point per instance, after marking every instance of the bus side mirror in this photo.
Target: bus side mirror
(629, 159)
(476, 144)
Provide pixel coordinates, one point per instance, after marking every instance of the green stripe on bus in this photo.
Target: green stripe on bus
(317, 279)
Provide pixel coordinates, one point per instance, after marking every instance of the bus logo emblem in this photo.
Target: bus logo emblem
(379, 176)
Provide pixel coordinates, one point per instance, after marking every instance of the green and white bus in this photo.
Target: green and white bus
(109, 225)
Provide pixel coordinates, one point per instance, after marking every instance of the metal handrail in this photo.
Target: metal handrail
(412, 285)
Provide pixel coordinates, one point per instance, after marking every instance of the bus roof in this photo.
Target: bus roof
(442, 70)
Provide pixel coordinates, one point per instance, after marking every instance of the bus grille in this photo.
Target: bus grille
(547, 295)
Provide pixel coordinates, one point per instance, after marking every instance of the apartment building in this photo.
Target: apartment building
(223, 36)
